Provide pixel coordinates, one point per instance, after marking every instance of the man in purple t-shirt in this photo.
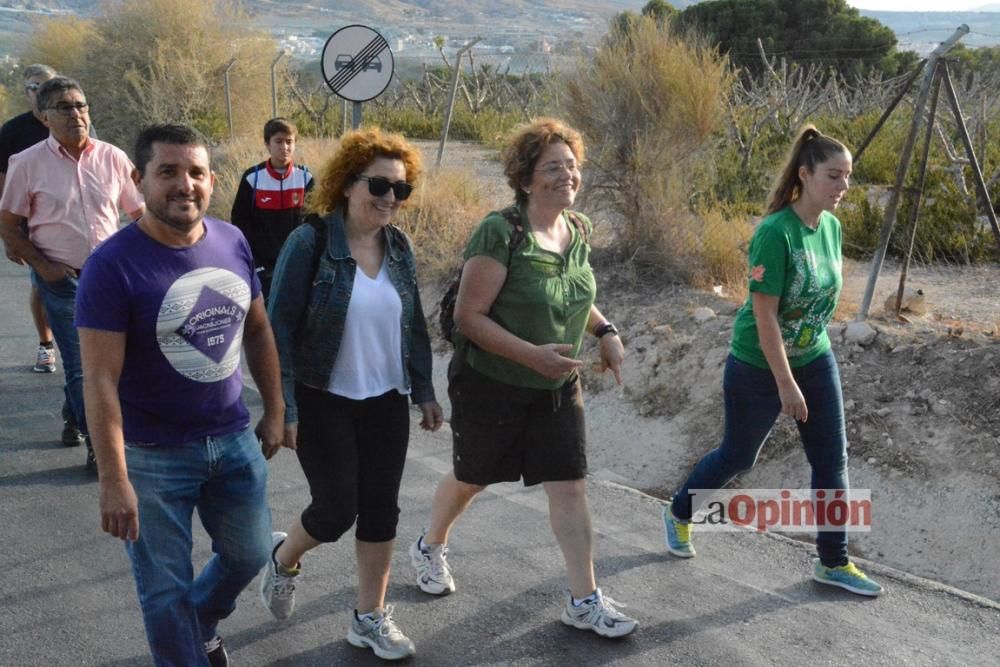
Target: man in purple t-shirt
(164, 309)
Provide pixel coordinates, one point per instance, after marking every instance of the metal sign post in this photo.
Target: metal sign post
(357, 65)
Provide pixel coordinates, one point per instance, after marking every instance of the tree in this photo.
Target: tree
(162, 60)
(826, 31)
(659, 10)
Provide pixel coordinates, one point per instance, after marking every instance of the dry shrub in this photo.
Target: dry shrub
(439, 217)
(162, 61)
(722, 245)
(651, 100)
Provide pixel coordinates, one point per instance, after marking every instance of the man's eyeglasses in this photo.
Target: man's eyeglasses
(378, 186)
(65, 108)
(553, 168)
(31, 87)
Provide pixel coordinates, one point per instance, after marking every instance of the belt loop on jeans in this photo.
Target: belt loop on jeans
(556, 399)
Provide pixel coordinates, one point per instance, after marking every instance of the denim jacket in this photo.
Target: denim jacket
(308, 309)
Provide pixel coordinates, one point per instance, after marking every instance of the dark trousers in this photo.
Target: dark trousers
(752, 407)
(352, 453)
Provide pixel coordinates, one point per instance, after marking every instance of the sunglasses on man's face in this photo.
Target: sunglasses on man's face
(32, 87)
(378, 186)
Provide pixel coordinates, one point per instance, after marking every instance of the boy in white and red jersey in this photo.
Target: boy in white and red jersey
(270, 197)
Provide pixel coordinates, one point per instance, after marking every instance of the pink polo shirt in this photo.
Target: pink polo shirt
(71, 205)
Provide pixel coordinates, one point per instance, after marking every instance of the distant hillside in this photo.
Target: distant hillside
(922, 31)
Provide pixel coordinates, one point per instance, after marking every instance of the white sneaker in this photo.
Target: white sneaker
(380, 634)
(599, 615)
(431, 563)
(45, 360)
(277, 583)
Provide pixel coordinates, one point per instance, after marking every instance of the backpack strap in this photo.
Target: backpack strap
(580, 227)
(513, 216)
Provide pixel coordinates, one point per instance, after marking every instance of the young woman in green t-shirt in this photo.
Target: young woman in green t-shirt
(780, 359)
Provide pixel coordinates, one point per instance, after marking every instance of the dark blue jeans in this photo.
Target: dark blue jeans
(752, 407)
(59, 300)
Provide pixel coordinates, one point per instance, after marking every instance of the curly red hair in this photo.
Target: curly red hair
(355, 152)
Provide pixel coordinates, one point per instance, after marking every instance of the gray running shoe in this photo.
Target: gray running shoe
(45, 360)
(277, 583)
(431, 563)
(600, 616)
(380, 634)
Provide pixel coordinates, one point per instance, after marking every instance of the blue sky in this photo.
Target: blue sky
(918, 5)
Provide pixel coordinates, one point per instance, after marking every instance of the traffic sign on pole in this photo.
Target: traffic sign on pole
(357, 63)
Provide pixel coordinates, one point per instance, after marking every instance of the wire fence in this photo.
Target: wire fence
(495, 89)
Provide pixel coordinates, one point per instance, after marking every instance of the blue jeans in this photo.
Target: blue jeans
(752, 407)
(224, 478)
(59, 300)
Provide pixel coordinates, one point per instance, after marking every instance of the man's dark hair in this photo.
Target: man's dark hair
(165, 133)
(54, 88)
(275, 125)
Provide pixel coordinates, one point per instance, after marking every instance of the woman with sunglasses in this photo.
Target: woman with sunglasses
(525, 302)
(353, 345)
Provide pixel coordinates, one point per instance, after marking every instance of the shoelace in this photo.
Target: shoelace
(683, 530)
(284, 583)
(851, 569)
(605, 606)
(439, 565)
(385, 626)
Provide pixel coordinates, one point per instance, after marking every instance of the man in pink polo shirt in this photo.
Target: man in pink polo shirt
(70, 188)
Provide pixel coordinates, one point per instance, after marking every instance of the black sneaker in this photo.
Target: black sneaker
(91, 462)
(216, 652)
(71, 436)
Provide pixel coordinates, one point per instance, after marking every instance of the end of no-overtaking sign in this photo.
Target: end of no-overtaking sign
(357, 64)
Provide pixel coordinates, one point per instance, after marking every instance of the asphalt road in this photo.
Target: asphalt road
(67, 596)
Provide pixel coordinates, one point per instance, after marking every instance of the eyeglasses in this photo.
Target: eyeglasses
(32, 87)
(378, 186)
(65, 108)
(553, 168)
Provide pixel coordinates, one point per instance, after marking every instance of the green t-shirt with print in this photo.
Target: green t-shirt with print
(545, 299)
(803, 267)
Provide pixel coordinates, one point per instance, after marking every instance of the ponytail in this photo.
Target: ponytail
(810, 149)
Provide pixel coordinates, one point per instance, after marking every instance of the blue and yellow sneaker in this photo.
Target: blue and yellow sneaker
(678, 534)
(848, 577)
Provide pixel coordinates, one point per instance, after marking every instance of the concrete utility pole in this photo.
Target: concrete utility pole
(451, 97)
(229, 100)
(274, 85)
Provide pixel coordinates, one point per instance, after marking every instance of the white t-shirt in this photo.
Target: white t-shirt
(370, 362)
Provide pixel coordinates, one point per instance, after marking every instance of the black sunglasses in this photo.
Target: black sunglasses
(378, 186)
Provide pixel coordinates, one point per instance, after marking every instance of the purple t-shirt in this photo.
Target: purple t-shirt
(183, 311)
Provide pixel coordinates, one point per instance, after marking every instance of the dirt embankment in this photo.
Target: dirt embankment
(922, 403)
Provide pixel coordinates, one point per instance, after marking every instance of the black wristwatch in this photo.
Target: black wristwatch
(604, 329)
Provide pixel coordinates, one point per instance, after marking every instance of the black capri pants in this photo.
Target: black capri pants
(352, 453)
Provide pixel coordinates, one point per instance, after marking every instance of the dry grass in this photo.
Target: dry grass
(439, 218)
